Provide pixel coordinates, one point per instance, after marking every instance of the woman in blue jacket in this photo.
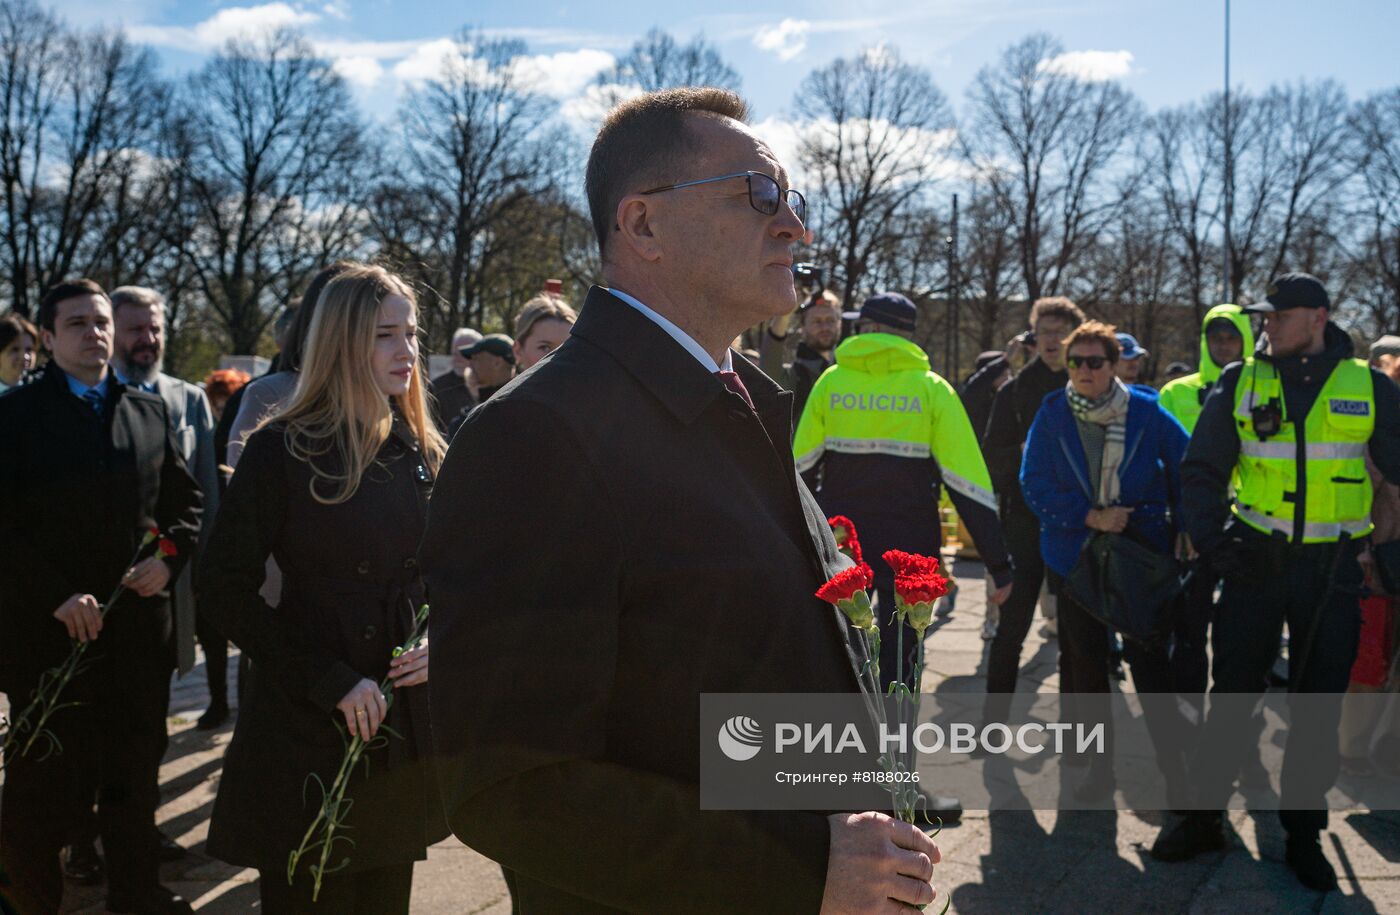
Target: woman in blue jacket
(1104, 456)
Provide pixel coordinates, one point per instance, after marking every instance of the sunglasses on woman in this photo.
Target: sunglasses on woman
(1093, 362)
(764, 193)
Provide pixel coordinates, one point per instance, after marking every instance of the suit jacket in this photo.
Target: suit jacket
(82, 491)
(611, 535)
(192, 425)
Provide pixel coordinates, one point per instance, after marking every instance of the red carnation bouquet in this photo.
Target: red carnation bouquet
(918, 586)
(34, 720)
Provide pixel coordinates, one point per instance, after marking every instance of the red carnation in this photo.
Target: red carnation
(167, 547)
(844, 584)
(847, 591)
(910, 563)
(915, 594)
(844, 530)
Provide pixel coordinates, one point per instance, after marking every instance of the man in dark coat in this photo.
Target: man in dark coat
(1013, 410)
(620, 530)
(89, 465)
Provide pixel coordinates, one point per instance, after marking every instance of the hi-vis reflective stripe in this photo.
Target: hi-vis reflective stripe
(863, 446)
(1313, 530)
(1325, 451)
(980, 495)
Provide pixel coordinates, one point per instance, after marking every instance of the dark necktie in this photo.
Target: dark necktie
(734, 383)
(94, 400)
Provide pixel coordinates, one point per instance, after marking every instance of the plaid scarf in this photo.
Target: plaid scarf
(1111, 412)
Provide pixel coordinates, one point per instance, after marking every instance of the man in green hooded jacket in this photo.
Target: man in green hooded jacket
(1226, 337)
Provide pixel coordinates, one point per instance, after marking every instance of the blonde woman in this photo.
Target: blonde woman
(335, 488)
(542, 325)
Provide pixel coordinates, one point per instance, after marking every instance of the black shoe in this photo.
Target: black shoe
(1196, 834)
(82, 864)
(170, 850)
(213, 717)
(160, 901)
(1306, 860)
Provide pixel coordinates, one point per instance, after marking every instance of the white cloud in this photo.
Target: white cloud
(787, 39)
(359, 71)
(232, 22)
(1091, 66)
(427, 60)
(585, 111)
(563, 75)
(337, 9)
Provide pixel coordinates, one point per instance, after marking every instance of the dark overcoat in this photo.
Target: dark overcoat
(350, 588)
(613, 534)
(80, 492)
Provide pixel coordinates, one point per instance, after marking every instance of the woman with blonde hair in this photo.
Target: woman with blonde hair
(542, 325)
(334, 486)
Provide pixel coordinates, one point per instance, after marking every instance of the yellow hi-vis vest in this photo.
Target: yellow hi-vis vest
(1332, 447)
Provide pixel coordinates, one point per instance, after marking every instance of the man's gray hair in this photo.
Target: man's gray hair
(136, 295)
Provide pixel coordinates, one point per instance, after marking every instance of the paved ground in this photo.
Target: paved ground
(1003, 863)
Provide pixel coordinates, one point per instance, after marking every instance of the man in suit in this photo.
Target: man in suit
(90, 465)
(138, 356)
(653, 542)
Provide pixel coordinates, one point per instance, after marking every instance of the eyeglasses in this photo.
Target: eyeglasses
(764, 193)
(1093, 362)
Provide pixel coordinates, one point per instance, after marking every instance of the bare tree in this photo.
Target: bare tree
(658, 61)
(875, 132)
(989, 268)
(477, 147)
(1375, 125)
(272, 153)
(1183, 149)
(1045, 140)
(1290, 152)
(78, 107)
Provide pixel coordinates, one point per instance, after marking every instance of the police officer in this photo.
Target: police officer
(882, 432)
(1294, 423)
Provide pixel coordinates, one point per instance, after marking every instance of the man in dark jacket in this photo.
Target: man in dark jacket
(89, 465)
(1013, 411)
(669, 549)
(980, 389)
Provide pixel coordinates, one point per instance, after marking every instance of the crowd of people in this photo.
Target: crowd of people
(632, 513)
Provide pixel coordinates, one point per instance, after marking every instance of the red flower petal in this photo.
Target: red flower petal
(167, 547)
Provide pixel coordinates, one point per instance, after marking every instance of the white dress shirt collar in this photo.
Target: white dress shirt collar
(680, 336)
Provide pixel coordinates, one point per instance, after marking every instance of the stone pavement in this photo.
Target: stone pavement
(1008, 862)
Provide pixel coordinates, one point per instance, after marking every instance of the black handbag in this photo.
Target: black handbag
(1126, 585)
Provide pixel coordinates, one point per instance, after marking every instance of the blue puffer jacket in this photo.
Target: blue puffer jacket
(1055, 476)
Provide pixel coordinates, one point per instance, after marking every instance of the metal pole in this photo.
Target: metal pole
(954, 285)
(1226, 294)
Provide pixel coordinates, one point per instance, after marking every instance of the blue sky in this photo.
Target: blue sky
(1166, 52)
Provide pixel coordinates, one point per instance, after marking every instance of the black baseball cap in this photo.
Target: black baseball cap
(495, 344)
(890, 309)
(1291, 290)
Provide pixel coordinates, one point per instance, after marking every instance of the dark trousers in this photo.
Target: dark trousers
(1190, 632)
(376, 891)
(1021, 531)
(115, 740)
(1086, 660)
(215, 657)
(1281, 583)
